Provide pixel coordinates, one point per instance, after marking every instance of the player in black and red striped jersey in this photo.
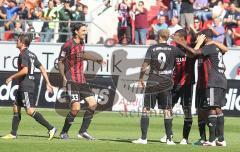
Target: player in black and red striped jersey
(184, 78)
(216, 85)
(71, 66)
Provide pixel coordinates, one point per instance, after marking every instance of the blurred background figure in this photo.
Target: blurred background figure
(50, 15)
(236, 34)
(65, 18)
(187, 13)
(141, 24)
(124, 23)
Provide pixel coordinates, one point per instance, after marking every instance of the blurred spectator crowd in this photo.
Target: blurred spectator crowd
(50, 20)
(42, 18)
(137, 25)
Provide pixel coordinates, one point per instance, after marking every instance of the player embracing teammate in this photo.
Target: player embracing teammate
(215, 83)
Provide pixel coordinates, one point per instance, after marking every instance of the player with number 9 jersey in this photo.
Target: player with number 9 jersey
(160, 58)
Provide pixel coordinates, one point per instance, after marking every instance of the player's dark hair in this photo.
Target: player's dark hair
(208, 33)
(26, 39)
(182, 33)
(76, 27)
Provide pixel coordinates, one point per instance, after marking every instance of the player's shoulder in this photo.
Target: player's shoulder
(210, 47)
(31, 53)
(161, 46)
(68, 43)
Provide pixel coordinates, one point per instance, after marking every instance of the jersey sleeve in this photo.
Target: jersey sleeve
(37, 63)
(177, 52)
(148, 55)
(208, 50)
(63, 52)
(25, 60)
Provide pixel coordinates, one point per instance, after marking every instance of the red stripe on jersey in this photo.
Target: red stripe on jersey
(206, 66)
(72, 61)
(79, 70)
(183, 79)
(76, 61)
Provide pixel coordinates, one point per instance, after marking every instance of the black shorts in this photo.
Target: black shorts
(216, 97)
(24, 99)
(200, 99)
(185, 93)
(164, 100)
(78, 92)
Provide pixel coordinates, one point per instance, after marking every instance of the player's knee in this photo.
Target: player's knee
(212, 111)
(74, 112)
(29, 111)
(92, 103)
(219, 110)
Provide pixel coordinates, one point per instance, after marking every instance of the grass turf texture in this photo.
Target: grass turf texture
(112, 130)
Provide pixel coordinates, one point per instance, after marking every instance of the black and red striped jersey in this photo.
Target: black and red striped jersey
(202, 73)
(71, 55)
(183, 73)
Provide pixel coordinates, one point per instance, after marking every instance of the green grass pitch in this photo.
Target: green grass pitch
(113, 132)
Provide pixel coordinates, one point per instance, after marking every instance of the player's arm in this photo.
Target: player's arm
(45, 76)
(61, 69)
(142, 73)
(221, 46)
(92, 57)
(193, 51)
(17, 75)
(61, 62)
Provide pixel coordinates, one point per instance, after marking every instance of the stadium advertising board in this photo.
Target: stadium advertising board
(114, 83)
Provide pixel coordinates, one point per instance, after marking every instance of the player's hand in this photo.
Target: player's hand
(49, 87)
(8, 80)
(103, 62)
(141, 84)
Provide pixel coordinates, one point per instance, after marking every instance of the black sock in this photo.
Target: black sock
(202, 130)
(212, 122)
(187, 127)
(220, 127)
(15, 122)
(40, 119)
(144, 123)
(87, 118)
(168, 128)
(68, 122)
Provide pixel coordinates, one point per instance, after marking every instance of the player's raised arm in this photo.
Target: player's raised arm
(194, 51)
(142, 73)
(221, 46)
(92, 57)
